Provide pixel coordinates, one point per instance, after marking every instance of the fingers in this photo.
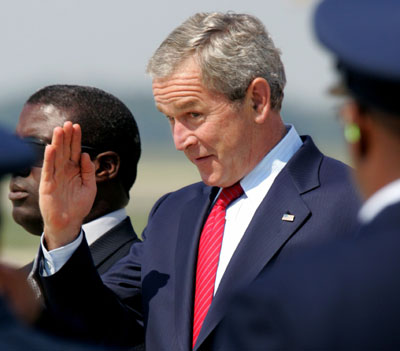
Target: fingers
(65, 146)
(57, 144)
(68, 130)
(48, 163)
(50, 160)
(76, 143)
(67, 142)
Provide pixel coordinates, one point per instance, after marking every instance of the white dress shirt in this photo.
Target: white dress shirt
(384, 197)
(255, 186)
(55, 259)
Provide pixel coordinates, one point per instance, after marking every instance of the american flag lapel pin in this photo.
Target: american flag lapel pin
(287, 217)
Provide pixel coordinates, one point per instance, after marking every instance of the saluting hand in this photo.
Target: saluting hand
(67, 186)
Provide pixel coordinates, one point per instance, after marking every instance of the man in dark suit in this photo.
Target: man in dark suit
(219, 80)
(14, 335)
(345, 296)
(111, 137)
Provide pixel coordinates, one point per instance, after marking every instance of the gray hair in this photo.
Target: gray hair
(231, 49)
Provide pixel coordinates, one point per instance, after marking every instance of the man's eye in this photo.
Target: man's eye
(169, 118)
(194, 114)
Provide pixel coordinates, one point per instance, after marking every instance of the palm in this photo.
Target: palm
(67, 187)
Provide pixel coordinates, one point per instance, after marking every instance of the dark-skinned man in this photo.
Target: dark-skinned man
(112, 139)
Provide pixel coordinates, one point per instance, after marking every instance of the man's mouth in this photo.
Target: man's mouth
(199, 160)
(17, 195)
(17, 192)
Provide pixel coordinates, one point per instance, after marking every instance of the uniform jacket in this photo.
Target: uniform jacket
(14, 336)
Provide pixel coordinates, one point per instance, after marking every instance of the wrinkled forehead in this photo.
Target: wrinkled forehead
(184, 84)
(178, 87)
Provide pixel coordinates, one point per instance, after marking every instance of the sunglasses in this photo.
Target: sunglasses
(39, 146)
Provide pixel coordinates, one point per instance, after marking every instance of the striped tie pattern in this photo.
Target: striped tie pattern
(208, 255)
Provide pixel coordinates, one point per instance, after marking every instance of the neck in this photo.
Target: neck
(107, 200)
(274, 132)
(379, 166)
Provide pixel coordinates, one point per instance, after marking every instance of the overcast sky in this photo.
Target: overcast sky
(106, 43)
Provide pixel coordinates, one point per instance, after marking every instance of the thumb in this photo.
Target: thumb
(87, 170)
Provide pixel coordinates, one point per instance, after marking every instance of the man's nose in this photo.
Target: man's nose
(183, 137)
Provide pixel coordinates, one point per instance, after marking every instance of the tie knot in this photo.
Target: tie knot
(229, 194)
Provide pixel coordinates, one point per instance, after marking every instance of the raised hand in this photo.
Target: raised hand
(67, 186)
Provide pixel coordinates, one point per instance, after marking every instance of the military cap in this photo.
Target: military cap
(14, 153)
(364, 36)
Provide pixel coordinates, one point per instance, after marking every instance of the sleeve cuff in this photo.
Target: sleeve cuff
(55, 259)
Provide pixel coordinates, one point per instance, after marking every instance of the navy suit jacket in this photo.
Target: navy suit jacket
(312, 187)
(344, 296)
(113, 245)
(105, 252)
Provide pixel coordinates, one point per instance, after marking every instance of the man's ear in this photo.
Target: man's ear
(106, 166)
(259, 94)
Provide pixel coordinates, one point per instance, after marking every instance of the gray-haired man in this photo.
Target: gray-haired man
(219, 80)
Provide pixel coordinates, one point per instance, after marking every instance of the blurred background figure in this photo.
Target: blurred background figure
(345, 297)
(16, 155)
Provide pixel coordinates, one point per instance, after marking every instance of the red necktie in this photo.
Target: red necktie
(208, 255)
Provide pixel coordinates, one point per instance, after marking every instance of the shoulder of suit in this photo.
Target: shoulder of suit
(183, 194)
(191, 189)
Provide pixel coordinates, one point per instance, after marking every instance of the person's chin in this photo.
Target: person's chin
(211, 179)
(24, 217)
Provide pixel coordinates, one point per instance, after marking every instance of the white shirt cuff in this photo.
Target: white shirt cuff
(55, 259)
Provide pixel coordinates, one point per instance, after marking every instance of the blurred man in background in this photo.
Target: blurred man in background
(346, 296)
(219, 80)
(110, 136)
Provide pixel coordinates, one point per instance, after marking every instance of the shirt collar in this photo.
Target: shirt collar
(99, 226)
(384, 197)
(272, 163)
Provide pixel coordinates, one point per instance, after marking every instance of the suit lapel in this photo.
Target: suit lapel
(267, 232)
(190, 227)
(111, 241)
